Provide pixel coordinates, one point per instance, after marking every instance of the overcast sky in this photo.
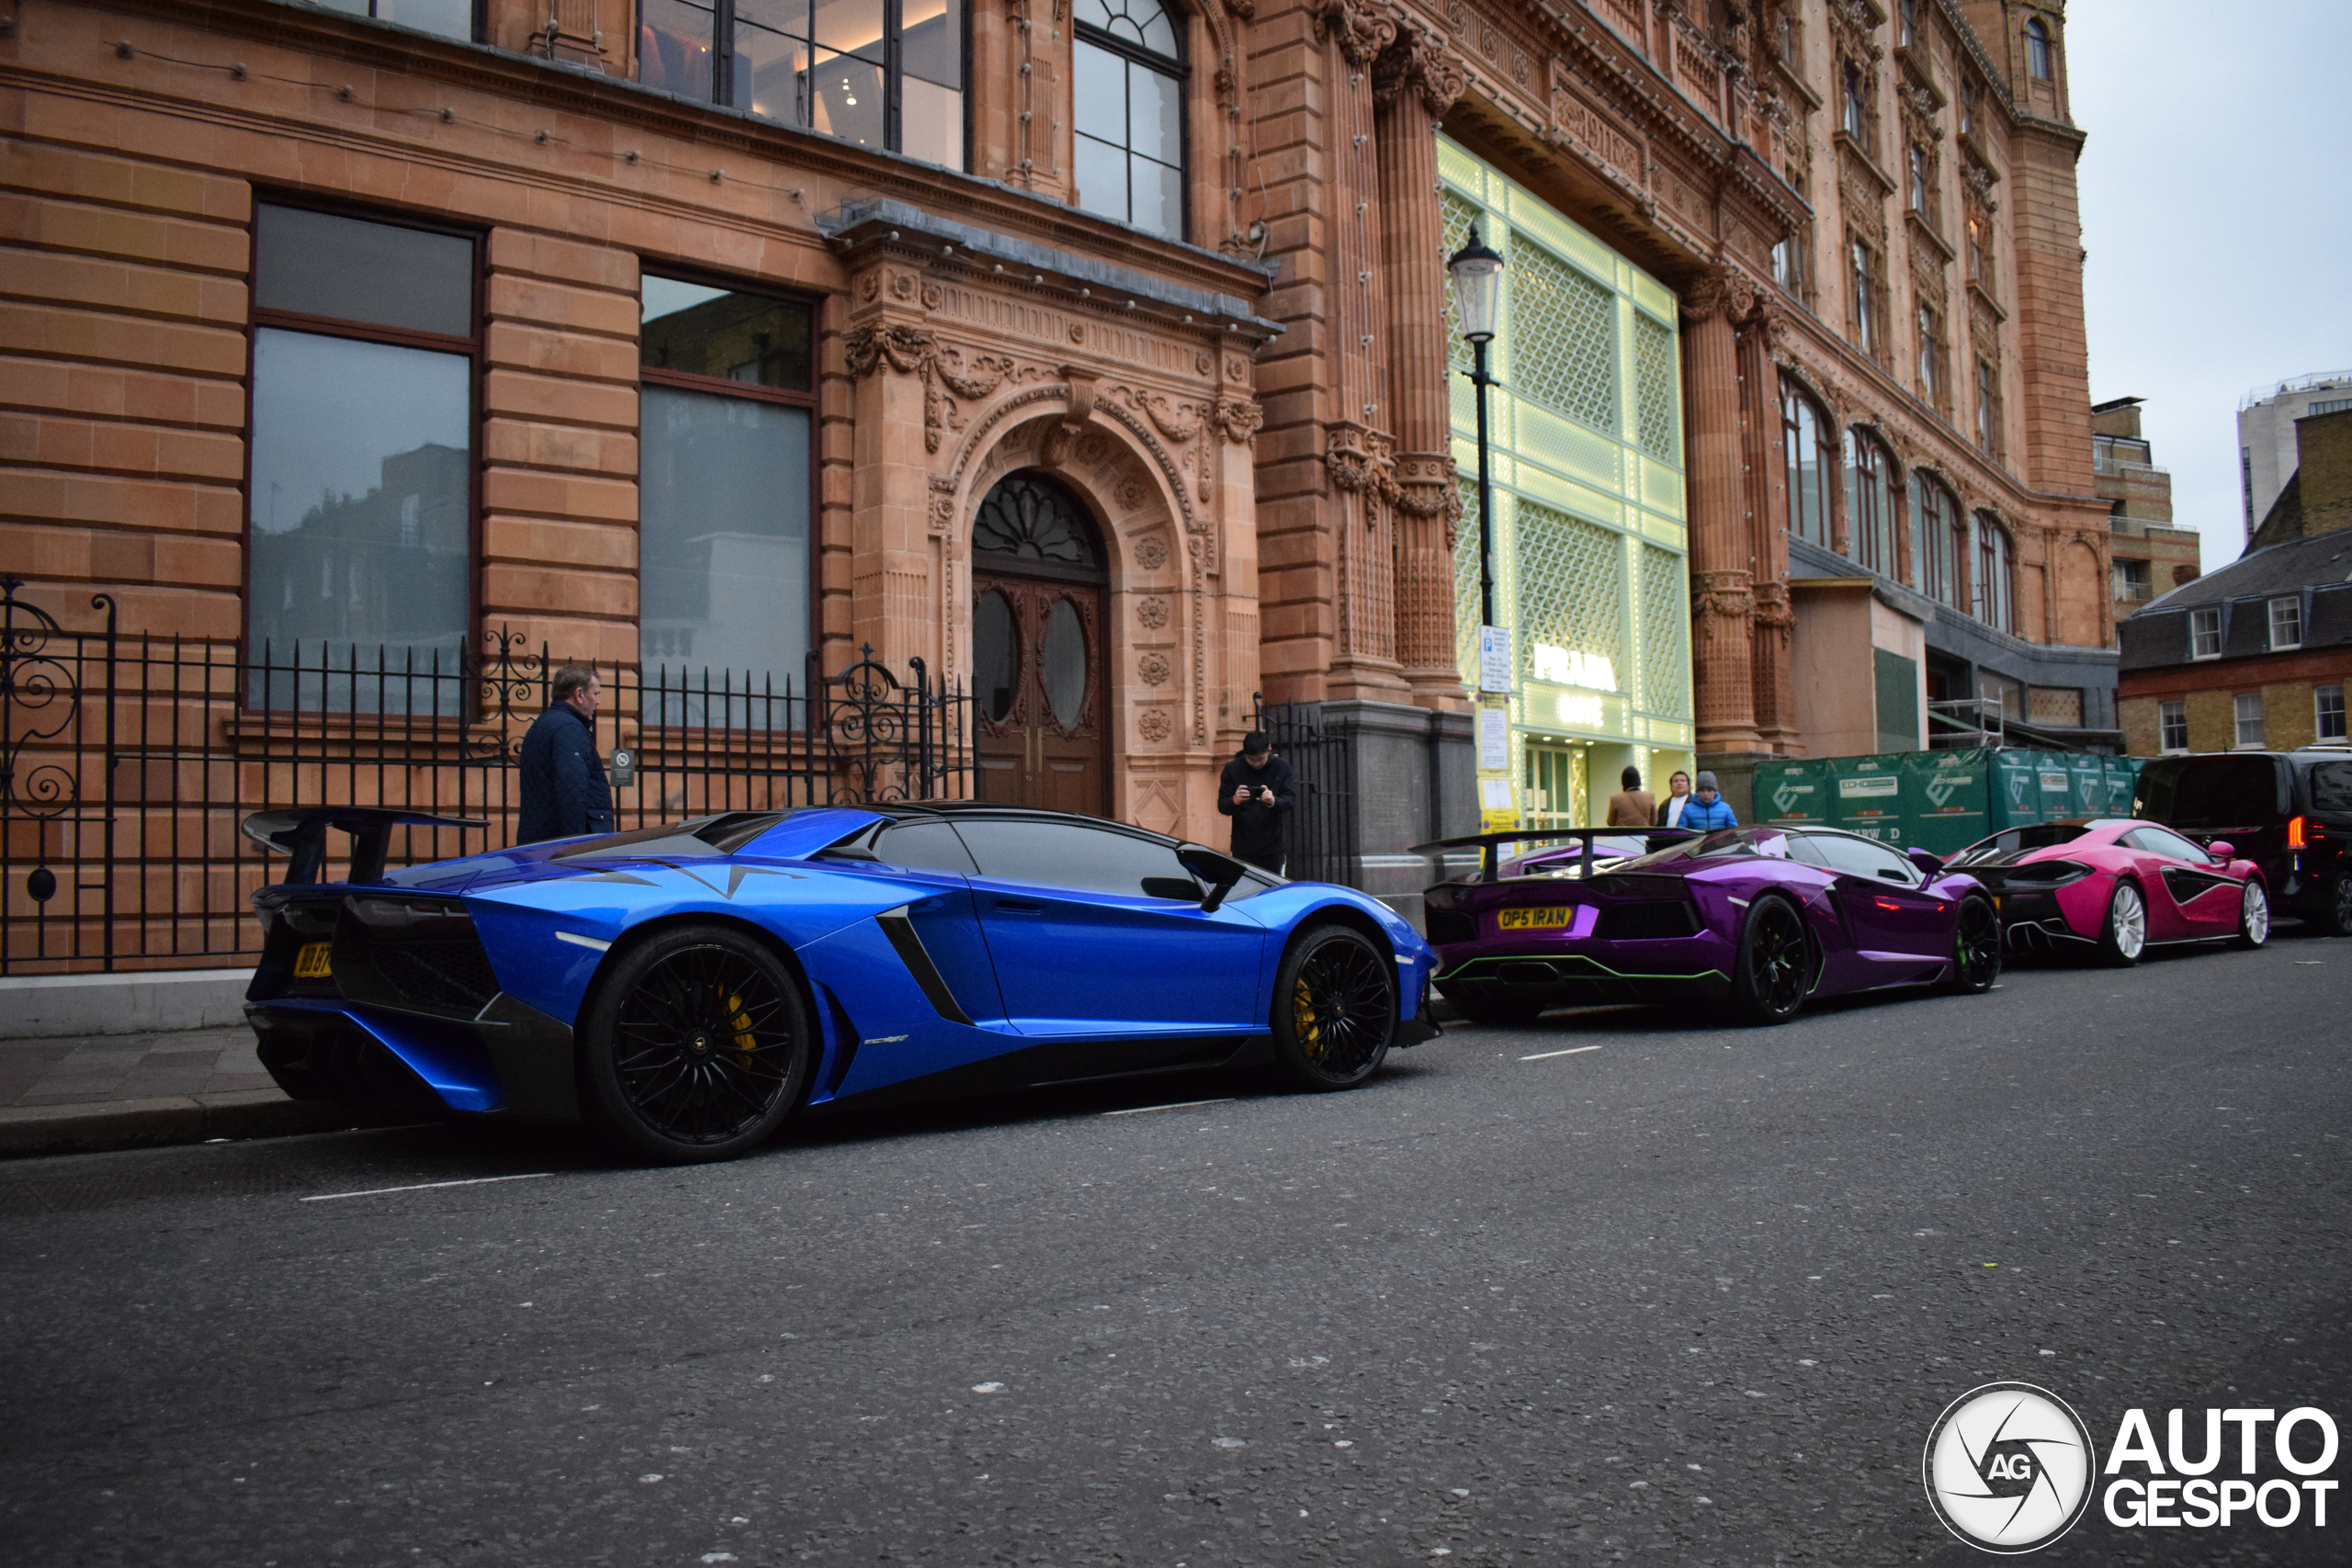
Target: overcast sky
(2217, 209)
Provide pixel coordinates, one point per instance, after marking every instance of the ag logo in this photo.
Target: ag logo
(2008, 1468)
(1941, 787)
(1784, 799)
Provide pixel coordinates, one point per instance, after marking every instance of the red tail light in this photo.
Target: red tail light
(2294, 832)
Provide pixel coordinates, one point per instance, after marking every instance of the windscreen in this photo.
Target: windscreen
(2003, 848)
(1725, 843)
(2210, 792)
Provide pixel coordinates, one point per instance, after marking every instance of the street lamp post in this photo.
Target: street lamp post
(1477, 274)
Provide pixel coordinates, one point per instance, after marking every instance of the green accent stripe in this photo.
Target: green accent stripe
(1466, 971)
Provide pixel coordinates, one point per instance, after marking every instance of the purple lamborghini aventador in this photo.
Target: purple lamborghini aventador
(1757, 919)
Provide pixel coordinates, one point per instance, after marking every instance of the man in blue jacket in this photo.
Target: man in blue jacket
(563, 790)
(1708, 810)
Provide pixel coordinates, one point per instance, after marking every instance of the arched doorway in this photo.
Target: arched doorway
(1037, 627)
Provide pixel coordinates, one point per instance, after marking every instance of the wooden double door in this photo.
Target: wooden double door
(1037, 686)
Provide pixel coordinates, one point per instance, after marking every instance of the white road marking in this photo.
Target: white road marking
(576, 940)
(1180, 1105)
(1547, 1056)
(423, 1186)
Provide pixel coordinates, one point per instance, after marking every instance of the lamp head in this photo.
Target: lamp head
(1477, 274)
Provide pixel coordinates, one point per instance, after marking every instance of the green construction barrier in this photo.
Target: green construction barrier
(1947, 796)
(1793, 794)
(2122, 780)
(2016, 789)
(1869, 796)
(2089, 776)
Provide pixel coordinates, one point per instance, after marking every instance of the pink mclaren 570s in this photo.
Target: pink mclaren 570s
(2116, 887)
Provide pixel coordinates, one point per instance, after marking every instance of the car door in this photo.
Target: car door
(1897, 924)
(2199, 897)
(1098, 931)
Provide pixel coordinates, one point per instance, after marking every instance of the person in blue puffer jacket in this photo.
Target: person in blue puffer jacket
(1708, 810)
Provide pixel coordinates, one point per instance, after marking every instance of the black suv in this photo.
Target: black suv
(2288, 812)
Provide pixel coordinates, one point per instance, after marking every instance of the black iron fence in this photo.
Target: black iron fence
(128, 761)
(1323, 762)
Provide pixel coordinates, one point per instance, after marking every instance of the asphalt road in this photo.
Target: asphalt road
(1662, 1293)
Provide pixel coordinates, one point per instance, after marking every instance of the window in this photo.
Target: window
(2332, 781)
(2166, 842)
(723, 501)
(1789, 41)
(1976, 272)
(1129, 91)
(1860, 857)
(1993, 596)
(2172, 726)
(2205, 633)
(1874, 501)
(926, 846)
(2131, 583)
(2037, 50)
(1788, 265)
(1968, 106)
(1931, 356)
(2202, 793)
(1808, 459)
(2286, 624)
(1988, 406)
(1935, 539)
(1862, 300)
(2327, 713)
(1906, 24)
(450, 18)
(2247, 707)
(2327, 405)
(882, 74)
(1856, 119)
(1066, 855)
(1919, 180)
(360, 508)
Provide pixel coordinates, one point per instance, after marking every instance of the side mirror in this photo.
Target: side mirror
(2221, 849)
(1220, 872)
(1930, 866)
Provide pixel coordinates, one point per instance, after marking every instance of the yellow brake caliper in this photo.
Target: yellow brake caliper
(739, 1021)
(1302, 1018)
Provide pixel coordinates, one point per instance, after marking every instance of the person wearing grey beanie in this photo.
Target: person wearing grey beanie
(1707, 809)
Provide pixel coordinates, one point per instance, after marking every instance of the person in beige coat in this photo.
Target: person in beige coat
(1632, 806)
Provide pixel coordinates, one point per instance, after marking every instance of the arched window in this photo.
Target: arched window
(1129, 93)
(1994, 601)
(1935, 539)
(1808, 458)
(2037, 50)
(1874, 501)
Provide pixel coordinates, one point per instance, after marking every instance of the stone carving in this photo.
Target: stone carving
(1178, 421)
(1239, 419)
(1419, 61)
(1720, 290)
(1155, 724)
(910, 351)
(1152, 554)
(1151, 612)
(1360, 31)
(1361, 461)
(1153, 669)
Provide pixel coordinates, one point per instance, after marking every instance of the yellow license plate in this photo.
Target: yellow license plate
(310, 963)
(1543, 917)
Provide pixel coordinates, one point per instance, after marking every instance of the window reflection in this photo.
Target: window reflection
(702, 331)
(1128, 106)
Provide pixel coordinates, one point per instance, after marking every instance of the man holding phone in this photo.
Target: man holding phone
(1257, 791)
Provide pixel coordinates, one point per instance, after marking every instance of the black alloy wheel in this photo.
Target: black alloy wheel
(1335, 1009)
(697, 1047)
(1975, 947)
(1774, 962)
(2335, 911)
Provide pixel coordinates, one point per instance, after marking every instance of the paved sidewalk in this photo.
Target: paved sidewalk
(112, 1091)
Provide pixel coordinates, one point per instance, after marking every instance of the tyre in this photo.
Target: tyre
(1497, 1011)
(698, 1045)
(2253, 917)
(1335, 1009)
(2125, 935)
(1975, 947)
(2334, 913)
(1769, 984)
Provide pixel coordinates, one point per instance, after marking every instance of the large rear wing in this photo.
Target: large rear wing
(301, 831)
(1490, 844)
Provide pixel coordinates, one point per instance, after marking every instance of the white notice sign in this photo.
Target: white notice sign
(1494, 658)
(1493, 740)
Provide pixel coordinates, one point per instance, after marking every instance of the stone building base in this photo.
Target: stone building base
(1415, 778)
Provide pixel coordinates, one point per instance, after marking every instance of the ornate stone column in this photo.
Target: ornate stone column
(1767, 530)
(1722, 572)
(1413, 82)
(890, 567)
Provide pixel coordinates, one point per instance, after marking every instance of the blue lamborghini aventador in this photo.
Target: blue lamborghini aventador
(684, 988)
